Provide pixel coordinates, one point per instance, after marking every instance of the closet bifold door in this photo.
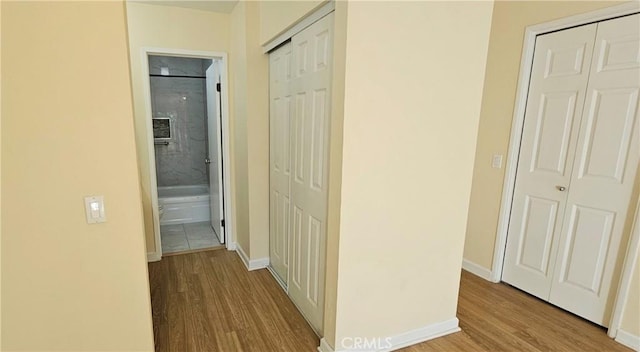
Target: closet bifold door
(552, 118)
(603, 177)
(577, 167)
(311, 92)
(280, 109)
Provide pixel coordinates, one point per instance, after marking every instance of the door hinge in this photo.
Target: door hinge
(222, 222)
(218, 87)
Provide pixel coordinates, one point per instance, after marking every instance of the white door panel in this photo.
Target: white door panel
(552, 118)
(607, 157)
(214, 134)
(311, 82)
(300, 85)
(280, 164)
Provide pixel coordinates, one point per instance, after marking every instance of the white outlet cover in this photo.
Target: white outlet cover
(94, 209)
(496, 161)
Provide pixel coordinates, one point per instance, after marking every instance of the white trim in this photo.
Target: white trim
(426, 333)
(630, 260)
(243, 256)
(630, 340)
(518, 116)
(314, 16)
(251, 264)
(260, 263)
(228, 200)
(153, 257)
(324, 346)
(406, 339)
(476, 269)
(231, 246)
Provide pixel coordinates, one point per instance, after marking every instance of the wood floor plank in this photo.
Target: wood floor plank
(208, 302)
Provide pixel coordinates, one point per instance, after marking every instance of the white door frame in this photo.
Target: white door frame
(516, 136)
(226, 155)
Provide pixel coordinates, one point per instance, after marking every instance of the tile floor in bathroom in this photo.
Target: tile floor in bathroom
(185, 237)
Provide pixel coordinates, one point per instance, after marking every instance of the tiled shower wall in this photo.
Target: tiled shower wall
(183, 100)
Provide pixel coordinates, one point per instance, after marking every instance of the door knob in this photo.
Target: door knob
(561, 188)
(207, 161)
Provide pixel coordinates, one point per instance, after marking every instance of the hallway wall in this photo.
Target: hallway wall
(67, 133)
(407, 162)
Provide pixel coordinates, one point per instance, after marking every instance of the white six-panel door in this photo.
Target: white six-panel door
(578, 162)
(300, 82)
(280, 106)
(554, 108)
(311, 83)
(603, 176)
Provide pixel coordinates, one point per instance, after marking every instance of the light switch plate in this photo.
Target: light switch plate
(496, 161)
(94, 208)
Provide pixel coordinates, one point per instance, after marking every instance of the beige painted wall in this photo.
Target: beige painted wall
(68, 133)
(174, 28)
(238, 80)
(257, 134)
(335, 169)
(0, 178)
(408, 151)
(277, 16)
(631, 315)
(251, 102)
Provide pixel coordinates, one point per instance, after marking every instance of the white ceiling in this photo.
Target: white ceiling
(224, 6)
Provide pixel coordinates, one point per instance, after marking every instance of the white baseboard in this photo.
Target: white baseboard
(630, 340)
(476, 269)
(251, 264)
(153, 257)
(324, 346)
(409, 338)
(231, 246)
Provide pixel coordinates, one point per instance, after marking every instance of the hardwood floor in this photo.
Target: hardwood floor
(208, 301)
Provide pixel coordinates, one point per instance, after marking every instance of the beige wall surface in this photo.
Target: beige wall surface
(408, 151)
(257, 134)
(238, 81)
(631, 315)
(503, 64)
(335, 170)
(169, 28)
(68, 133)
(0, 178)
(277, 16)
(251, 103)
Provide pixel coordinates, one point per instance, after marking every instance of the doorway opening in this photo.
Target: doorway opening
(188, 146)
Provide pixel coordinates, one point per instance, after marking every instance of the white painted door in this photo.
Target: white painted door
(214, 132)
(603, 177)
(280, 159)
(554, 108)
(578, 165)
(311, 91)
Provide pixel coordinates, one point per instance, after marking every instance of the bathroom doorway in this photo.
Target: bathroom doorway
(188, 128)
